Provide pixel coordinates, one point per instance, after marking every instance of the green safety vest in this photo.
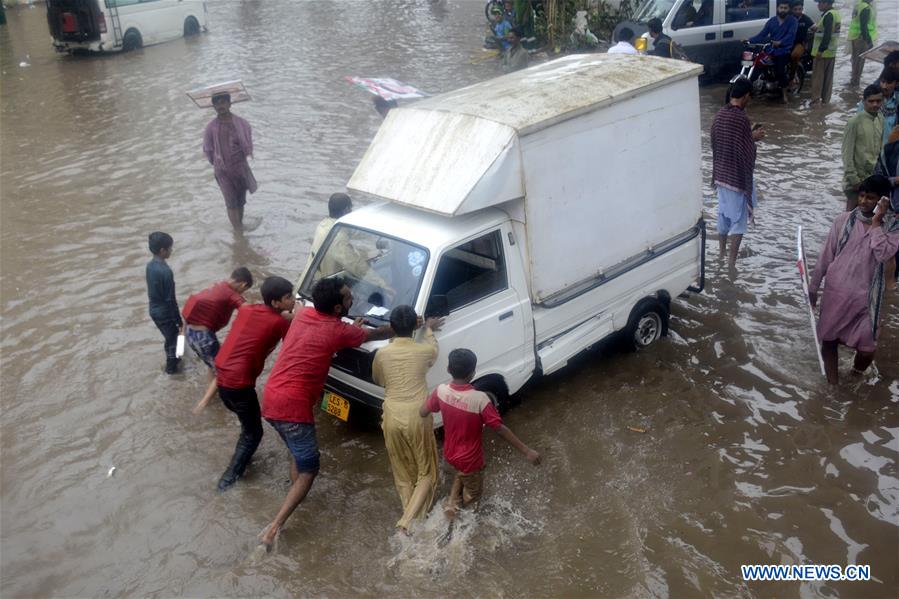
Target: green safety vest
(831, 50)
(855, 26)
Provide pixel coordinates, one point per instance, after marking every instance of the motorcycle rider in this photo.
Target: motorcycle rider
(800, 45)
(780, 30)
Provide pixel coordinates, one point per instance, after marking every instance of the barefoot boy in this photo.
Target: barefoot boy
(256, 331)
(465, 411)
(161, 293)
(208, 311)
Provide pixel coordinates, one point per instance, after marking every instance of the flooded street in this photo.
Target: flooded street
(747, 456)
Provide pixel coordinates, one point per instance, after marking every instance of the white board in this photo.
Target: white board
(803, 274)
(202, 97)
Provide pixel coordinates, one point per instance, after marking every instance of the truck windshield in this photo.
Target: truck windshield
(651, 9)
(383, 272)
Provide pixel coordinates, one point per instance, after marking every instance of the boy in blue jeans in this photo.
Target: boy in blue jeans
(161, 293)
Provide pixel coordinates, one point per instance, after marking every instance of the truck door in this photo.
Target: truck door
(696, 26)
(742, 20)
(489, 310)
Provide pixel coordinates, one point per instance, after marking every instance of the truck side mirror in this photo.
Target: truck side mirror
(437, 307)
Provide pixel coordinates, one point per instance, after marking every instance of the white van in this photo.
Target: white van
(540, 212)
(710, 31)
(113, 25)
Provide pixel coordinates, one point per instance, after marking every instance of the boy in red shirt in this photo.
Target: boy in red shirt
(255, 333)
(465, 411)
(207, 312)
(298, 379)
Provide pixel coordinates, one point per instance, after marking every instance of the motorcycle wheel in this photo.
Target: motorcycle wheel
(798, 79)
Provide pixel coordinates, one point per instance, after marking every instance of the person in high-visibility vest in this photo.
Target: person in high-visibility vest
(824, 51)
(862, 33)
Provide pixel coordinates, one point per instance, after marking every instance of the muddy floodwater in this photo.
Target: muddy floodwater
(741, 453)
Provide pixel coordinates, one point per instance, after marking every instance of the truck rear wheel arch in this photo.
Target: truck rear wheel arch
(647, 323)
(191, 26)
(496, 389)
(132, 40)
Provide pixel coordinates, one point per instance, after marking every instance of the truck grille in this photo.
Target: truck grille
(356, 362)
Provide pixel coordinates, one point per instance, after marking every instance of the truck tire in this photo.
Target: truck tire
(132, 40)
(495, 388)
(647, 324)
(191, 27)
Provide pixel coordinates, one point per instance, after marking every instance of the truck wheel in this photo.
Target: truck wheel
(132, 40)
(191, 27)
(495, 388)
(647, 324)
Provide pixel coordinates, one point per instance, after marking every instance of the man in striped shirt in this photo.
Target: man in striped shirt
(733, 160)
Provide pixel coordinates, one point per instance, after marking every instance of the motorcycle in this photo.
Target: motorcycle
(757, 65)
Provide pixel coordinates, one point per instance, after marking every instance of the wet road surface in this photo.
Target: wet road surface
(747, 458)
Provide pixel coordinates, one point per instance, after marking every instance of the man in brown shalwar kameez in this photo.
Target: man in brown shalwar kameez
(227, 143)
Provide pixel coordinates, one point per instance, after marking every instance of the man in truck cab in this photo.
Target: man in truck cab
(298, 378)
(342, 255)
(780, 31)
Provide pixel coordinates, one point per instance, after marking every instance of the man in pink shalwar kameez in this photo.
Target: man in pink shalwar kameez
(852, 261)
(227, 143)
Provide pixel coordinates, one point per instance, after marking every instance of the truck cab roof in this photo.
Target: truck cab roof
(460, 152)
(425, 229)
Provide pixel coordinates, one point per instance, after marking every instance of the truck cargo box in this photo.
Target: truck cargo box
(597, 156)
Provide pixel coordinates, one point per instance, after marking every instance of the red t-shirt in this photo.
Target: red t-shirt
(465, 411)
(212, 307)
(298, 377)
(255, 333)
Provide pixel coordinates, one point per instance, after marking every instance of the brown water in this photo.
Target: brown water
(747, 456)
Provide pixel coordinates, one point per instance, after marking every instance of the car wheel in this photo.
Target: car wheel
(132, 40)
(191, 27)
(648, 323)
(495, 388)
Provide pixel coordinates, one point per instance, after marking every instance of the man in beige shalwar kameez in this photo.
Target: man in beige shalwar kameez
(400, 368)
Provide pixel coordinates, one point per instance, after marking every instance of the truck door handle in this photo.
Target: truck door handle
(505, 315)
(727, 34)
(710, 36)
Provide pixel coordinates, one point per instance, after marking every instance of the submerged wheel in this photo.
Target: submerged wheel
(132, 40)
(496, 389)
(648, 323)
(191, 27)
(799, 78)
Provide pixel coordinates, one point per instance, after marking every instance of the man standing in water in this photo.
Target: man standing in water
(401, 368)
(862, 33)
(824, 51)
(733, 161)
(227, 143)
(851, 264)
(862, 143)
(298, 379)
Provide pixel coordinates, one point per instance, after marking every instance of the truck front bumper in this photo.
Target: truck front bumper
(354, 394)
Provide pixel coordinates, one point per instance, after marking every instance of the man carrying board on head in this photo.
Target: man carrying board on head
(227, 143)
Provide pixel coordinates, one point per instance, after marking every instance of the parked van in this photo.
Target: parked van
(540, 212)
(710, 31)
(112, 25)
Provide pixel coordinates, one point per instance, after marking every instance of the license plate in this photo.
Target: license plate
(336, 406)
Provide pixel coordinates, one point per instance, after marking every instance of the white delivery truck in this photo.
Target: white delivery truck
(540, 212)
